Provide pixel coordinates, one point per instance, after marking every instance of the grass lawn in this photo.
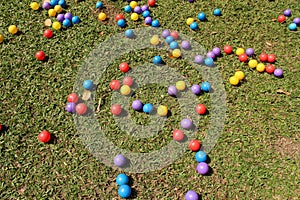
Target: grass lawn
(257, 154)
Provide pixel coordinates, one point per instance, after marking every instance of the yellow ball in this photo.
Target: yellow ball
(176, 53)
(162, 110)
(1, 38)
(260, 67)
(154, 40)
(51, 13)
(252, 63)
(13, 29)
(34, 6)
(180, 85)
(134, 16)
(102, 16)
(240, 75)
(133, 4)
(56, 25)
(125, 90)
(239, 51)
(189, 21)
(58, 8)
(234, 80)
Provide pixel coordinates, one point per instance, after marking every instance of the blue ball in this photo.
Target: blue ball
(157, 60)
(146, 13)
(194, 26)
(99, 4)
(217, 12)
(75, 20)
(121, 23)
(129, 33)
(62, 3)
(173, 45)
(209, 62)
(88, 84)
(67, 23)
(53, 3)
(201, 156)
(147, 108)
(155, 23)
(201, 16)
(292, 27)
(122, 179)
(205, 86)
(169, 39)
(124, 191)
(127, 9)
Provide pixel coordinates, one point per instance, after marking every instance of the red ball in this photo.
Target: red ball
(81, 108)
(228, 49)
(40, 55)
(271, 58)
(178, 135)
(116, 109)
(124, 67)
(263, 57)
(73, 98)
(194, 145)
(270, 69)
(119, 16)
(44, 136)
(175, 35)
(48, 33)
(201, 109)
(243, 57)
(128, 81)
(281, 18)
(115, 84)
(1, 127)
(151, 3)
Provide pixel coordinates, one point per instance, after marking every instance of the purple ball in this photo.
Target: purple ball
(137, 10)
(191, 1)
(165, 33)
(68, 16)
(196, 89)
(278, 72)
(217, 51)
(250, 52)
(145, 7)
(172, 90)
(191, 195)
(148, 20)
(119, 160)
(70, 107)
(199, 59)
(297, 21)
(137, 105)
(60, 17)
(210, 54)
(287, 13)
(185, 44)
(46, 5)
(202, 168)
(186, 123)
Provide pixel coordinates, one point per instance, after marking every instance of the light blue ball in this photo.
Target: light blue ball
(129, 33)
(127, 9)
(121, 23)
(217, 12)
(209, 62)
(147, 108)
(157, 60)
(146, 13)
(75, 20)
(292, 27)
(53, 2)
(62, 3)
(169, 39)
(201, 16)
(173, 45)
(201, 156)
(124, 191)
(88, 84)
(122, 179)
(205, 86)
(99, 4)
(194, 26)
(67, 23)
(155, 23)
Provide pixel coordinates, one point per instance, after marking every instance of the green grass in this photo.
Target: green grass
(246, 166)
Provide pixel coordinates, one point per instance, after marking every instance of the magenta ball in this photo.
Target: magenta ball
(119, 160)
(185, 44)
(70, 107)
(196, 89)
(199, 59)
(148, 20)
(60, 17)
(138, 10)
(250, 52)
(191, 195)
(210, 54)
(46, 5)
(145, 7)
(278, 72)
(186, 123)
(297, 21)
(202, 168)
(217, 51)
(165, 33)
(137, 105)
(172, 90)
(68, 16)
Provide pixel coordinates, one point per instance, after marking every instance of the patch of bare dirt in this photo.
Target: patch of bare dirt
(286, 147)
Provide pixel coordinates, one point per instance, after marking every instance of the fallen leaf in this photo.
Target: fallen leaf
(214, 32)
(280, 91)
(86, 95)
(269, 44)
(101, 33)
(274, 20)
(48, 22)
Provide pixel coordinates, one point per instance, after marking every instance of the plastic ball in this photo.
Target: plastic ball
(133, 4)
(180, 85)
(165, 33)
(228, 49)
(145, 7)
(125, 90)
(137, 105)
(119, 16)
(278, 72)
(48, 33)
(189, 21)
(194, 26)
(148, 20)
(252, 63)
(68, 16)
(172, 90)
(81, 108)
(296, 21)
(58, 8)
(199, 59)
(216, 51)
(67, 23)
(129, 33)
(121, 23)
(234, 80)
(239, 51)
(53, 2)
(162, 110)
(56, 25)
(46, 5)
(116, 109)
(137, 10)
(134, 16)
(122, 179)
(270, 69)
(175, 35)
(147, 108)
(1, 127)
(281, 18)
(124, 191)
(191, 195)
(70, 107)
(44, 136)
(178, 135)
(34, 6)
(51, 13)
(271, 58)
(75, 20)
(201, 16)
(157, 60)
(127, 9)
(169, 39)
(99, 4)
(186, 124)
(154, 40)
(173, 45)
(176, 53)
(201, 156)
(205, 86)
(185, 44)
(292, 27)
(87, 84)
(287, 13)
(124, 67)
(202, 168)
(115, 85)
(120, 160)
(260, 67)
(250, 52)
(155, 23)
(263, 57)
(73, 98)
(191, 1)
(201, 109)
(102, 16)
(151, 3)
(209, 62)
(217, 12)
(196, 89)
(146, 13)
(40, 55)
(243, 57)
(1, 38)
(13, 29)
(62, 3)
(194, 145)
(210, 54)
(60, 17)
(240, 75)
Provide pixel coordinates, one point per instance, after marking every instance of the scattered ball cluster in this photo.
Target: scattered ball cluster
(294, 24)
(124, 190)
(73, 105)
(202, 17)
